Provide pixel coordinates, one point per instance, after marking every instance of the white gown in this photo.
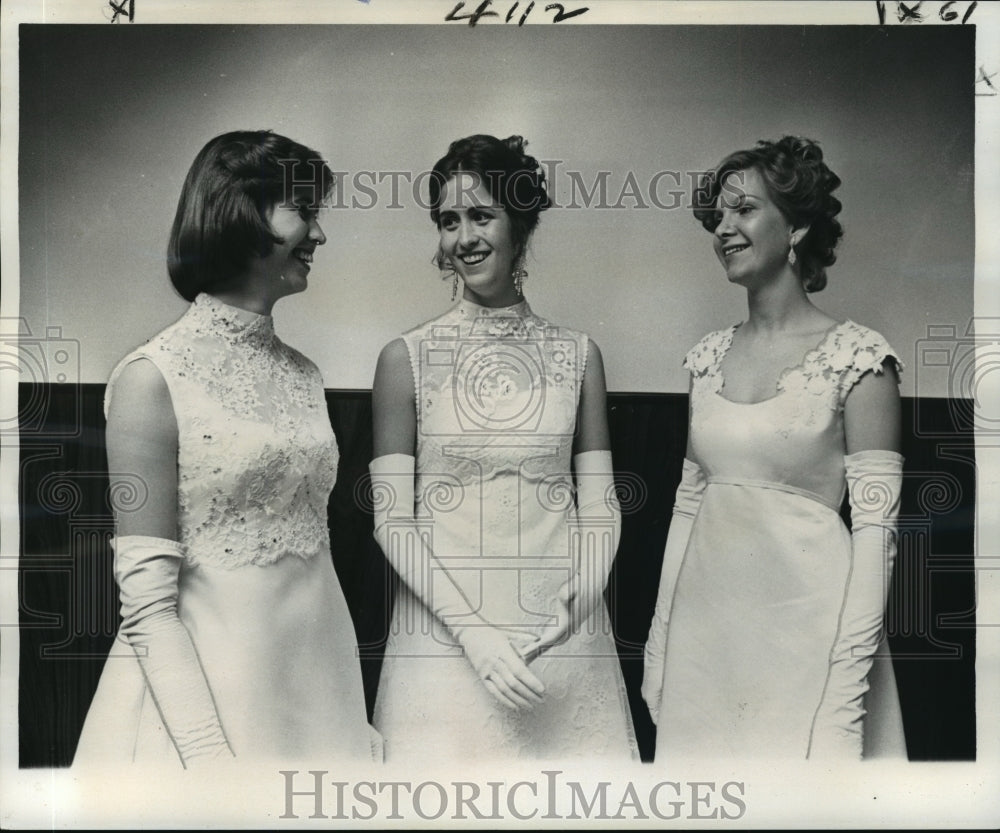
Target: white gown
(756, 605)
(258, 594)
(497, 392)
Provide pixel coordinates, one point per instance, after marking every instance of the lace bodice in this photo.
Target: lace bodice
(257, 456)
(497, 391)
(796, 437)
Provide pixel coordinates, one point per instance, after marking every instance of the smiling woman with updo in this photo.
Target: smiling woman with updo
(494, 498)
(768, 627)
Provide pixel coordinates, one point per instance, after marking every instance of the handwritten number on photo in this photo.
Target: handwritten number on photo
(913, 12)
(484, 9)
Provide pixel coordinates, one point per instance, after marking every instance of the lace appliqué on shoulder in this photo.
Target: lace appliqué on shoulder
(870, 352)
(705, 358)
(833, 367)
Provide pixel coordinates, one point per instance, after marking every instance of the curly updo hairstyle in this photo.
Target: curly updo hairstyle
(800, 184)
(514, 179)
(222, 218)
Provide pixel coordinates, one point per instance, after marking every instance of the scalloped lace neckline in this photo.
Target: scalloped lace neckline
(779, 388)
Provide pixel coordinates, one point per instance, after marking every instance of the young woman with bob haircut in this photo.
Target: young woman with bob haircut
(237, 638)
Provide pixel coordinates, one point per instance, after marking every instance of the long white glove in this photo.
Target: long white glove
(874, 481)
(686, 503)
(599, 522)
(146, 570)
(489, 649)
(599, 514)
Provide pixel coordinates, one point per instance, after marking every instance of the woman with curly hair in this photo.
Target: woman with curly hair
(770, 612)
(494, 498)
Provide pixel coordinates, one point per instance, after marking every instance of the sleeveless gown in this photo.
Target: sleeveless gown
(497, 392)
(257, 459)
(756, 605)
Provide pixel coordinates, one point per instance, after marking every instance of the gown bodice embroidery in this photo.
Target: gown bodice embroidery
(257, 457)
(497, 391)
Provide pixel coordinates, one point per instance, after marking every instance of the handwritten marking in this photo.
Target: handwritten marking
(484, 10)
(912, 12)
(473, 18)
(120, 9)
(562, 14)
(906, 13)
(985, 79)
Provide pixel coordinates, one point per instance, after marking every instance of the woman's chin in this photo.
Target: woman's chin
(735, 277)
(295, 282)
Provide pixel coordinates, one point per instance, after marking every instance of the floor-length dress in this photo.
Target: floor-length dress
(756, 605)
(257, 459)
(497, 392)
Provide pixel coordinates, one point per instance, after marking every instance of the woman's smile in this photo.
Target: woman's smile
(477, 239)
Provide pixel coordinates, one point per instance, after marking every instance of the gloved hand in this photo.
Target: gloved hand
(493, 652)
(147, 570)
(686, 503)
(598, 518)
(874, 482)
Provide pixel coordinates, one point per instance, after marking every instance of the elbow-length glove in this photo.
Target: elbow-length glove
(599, 522)
(411, 556)
(147, 569)
(874, 481)
(686, 503)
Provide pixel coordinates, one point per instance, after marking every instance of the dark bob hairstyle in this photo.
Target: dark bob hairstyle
(222, 217)
(800, 184)
(514, 179)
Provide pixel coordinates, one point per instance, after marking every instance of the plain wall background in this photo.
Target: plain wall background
(112, 116)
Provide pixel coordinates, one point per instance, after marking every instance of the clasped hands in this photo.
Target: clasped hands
(501, 656)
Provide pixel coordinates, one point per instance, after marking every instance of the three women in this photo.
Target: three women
(494, 494)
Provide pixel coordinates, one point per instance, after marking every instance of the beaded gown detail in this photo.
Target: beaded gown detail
(257, 459)
(756, 605)
(497, 392)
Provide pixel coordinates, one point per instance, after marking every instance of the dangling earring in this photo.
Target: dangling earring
(447, 270)
(791, 255)
(519, 274)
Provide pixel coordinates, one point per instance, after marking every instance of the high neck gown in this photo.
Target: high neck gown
(497, 392)
(256, 461)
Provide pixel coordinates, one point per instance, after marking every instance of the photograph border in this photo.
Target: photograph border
(925, 794)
